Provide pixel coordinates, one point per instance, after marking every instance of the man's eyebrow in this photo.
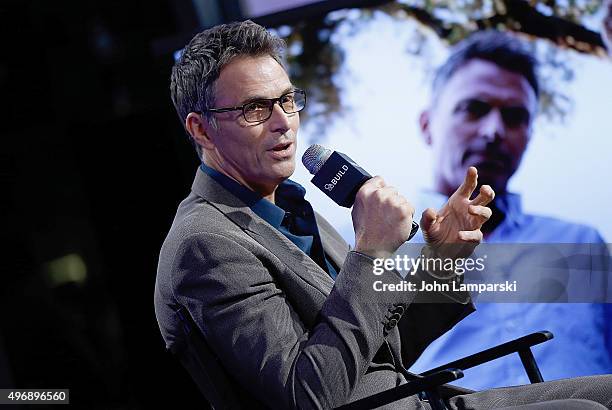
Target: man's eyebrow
(289, 89)
(462, 102)
(470, 99)
(256, 97)
(512, 104)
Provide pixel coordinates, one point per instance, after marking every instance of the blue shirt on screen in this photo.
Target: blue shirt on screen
(582, 344)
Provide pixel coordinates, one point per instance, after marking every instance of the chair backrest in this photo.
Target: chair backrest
(220, 388)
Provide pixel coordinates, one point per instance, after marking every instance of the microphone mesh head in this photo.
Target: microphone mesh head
(314, 157)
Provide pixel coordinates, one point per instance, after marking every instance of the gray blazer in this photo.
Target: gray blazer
(258, 324)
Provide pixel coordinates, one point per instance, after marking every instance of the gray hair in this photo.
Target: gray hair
(192, 83)
(500, 48)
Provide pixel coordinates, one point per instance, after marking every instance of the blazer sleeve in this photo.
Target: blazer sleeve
(258, 336)
(422, 323)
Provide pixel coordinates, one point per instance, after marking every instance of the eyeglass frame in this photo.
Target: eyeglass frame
(272, 100)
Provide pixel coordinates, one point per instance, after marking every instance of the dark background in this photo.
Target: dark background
(93, 164)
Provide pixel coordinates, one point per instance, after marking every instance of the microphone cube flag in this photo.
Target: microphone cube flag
(340, 178)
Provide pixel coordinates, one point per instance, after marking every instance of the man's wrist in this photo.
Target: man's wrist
(373, 253)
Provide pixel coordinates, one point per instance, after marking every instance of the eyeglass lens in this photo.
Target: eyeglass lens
(261, 110)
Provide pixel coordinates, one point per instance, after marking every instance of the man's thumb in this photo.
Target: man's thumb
(427, 219)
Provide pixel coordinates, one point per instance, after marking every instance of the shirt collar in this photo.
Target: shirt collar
(510, 204)
(287, 195)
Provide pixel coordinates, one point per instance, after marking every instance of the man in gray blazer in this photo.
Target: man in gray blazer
(258, 296)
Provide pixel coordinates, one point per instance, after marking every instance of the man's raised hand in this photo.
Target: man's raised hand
(459, 221)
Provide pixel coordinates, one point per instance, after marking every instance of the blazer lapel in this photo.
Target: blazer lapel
(334, 246)
(261, 231)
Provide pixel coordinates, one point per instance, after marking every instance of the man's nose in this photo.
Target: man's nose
(279, 121)
(492, 125)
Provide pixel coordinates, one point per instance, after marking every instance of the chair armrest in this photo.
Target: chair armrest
(522, 344)
(421, 384)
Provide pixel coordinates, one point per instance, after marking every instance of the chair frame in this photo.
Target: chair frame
(428, 383)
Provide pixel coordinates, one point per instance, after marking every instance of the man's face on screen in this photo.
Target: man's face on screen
(481, 117)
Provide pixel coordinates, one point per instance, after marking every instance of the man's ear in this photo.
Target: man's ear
(199, 129)
(424, 124)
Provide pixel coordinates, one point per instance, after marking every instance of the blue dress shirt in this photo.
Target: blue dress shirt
(582, 331)
(292, 215)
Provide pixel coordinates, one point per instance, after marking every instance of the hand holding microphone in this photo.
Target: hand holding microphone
(382, 218)
(381, 215)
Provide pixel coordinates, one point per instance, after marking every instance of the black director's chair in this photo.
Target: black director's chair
(429, 384)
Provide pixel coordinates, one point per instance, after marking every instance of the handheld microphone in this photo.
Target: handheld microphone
(338, 176)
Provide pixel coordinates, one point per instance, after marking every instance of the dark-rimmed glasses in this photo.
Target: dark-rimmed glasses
(260, 110)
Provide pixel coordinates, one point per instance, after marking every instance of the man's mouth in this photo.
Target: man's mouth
(281, 147)
(487, 160)
(282, 150)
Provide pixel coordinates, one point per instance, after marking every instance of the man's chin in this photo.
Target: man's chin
(495, 181)
(284, 171)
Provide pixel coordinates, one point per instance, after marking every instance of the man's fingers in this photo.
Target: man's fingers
(481, 211)
(386, 193)
(427, 219)
(406, 206)
(485, 196)
(376, 181)
(469, 183)
(389, 191)
(371, 185)
(470, 236)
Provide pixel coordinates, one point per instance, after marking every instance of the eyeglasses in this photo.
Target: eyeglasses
(512, 116)
(261, 110)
